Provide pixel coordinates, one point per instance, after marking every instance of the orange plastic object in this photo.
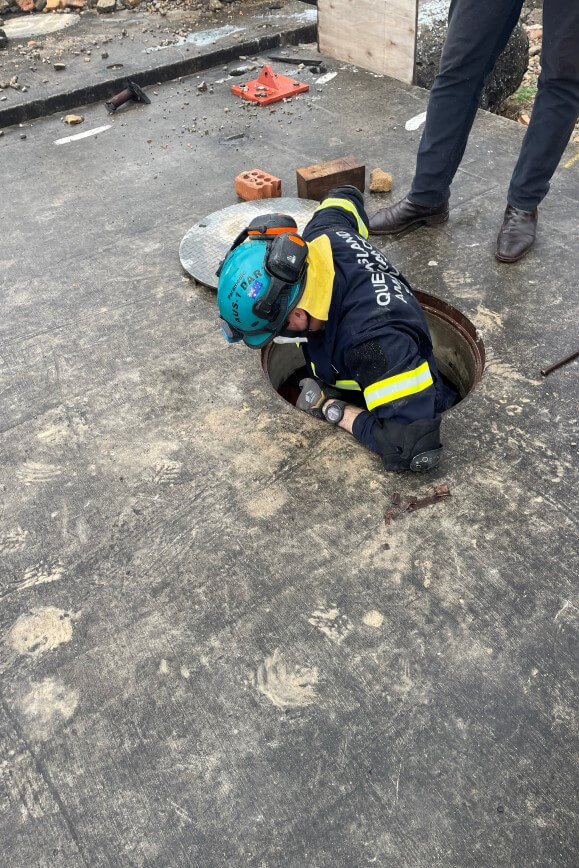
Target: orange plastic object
(269, 87)
(256, 184)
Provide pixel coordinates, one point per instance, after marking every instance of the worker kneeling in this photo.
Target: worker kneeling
(362, 330)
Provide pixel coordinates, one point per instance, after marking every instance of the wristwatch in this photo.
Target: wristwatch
(334, 411)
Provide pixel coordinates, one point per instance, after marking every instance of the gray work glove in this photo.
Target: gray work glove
(313, 397)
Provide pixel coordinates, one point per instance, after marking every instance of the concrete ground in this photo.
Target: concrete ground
(100, 52)
(215, 652)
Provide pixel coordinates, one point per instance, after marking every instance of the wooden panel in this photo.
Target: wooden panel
(379, 35)
(315, 182)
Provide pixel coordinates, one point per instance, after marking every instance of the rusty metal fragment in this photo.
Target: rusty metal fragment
(401, 506)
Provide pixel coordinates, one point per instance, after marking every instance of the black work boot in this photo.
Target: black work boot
(405, 216)
(517, 234)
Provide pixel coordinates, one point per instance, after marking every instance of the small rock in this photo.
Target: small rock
(2, 133)
(105, 7)
(202, 86)
(215, 5)
(22, 135)
(131, 4)
(72, 120)
(524, 119)
(380, 181)
(59, 66)
(39, 5)
(104, 55)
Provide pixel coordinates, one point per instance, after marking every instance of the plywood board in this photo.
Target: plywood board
(379, 35)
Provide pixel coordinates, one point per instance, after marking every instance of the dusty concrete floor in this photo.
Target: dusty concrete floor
(100, 52)
(214, 651)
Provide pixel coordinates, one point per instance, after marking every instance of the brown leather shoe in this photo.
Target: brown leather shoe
(517, 234)
(404, 216)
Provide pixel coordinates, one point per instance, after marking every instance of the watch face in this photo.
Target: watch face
(334, 413)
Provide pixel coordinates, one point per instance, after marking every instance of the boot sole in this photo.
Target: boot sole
(433, 220)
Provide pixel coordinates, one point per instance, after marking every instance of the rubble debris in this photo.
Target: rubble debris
(314, 182)
(380, 181)
(401, 506)
(131, 92)
(256, 184)
(326, 78)
(73, 120)
(269, 87)
(313, 63)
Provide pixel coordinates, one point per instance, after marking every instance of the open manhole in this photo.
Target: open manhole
(458, 350)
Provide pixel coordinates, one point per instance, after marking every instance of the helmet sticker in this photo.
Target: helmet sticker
(255, 288)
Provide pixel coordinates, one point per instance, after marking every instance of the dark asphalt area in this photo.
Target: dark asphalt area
(214, 650)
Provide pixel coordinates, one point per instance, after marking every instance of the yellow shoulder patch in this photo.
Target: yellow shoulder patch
(317, 295)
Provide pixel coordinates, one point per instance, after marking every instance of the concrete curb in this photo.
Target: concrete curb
(173, 67)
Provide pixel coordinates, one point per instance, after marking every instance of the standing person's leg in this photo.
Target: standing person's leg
(478, 31)
(552, 121)
(556, 106)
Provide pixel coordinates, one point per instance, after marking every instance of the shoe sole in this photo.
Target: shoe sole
(434, 220)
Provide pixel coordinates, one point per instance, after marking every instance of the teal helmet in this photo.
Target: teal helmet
(261, 280)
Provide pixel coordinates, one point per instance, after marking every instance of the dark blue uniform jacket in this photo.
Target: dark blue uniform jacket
(376, 341)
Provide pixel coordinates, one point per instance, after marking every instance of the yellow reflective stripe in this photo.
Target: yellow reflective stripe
(348, 206)
(351, 385)
(399, 386)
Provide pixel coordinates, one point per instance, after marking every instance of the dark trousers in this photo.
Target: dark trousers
(478, 31)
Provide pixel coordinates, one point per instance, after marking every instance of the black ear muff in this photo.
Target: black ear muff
(286, 258)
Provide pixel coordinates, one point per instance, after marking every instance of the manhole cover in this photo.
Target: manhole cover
(458, 350)
(207, 242)
(25, 26)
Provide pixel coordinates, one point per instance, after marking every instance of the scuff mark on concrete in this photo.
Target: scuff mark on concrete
(39, 631)
(41, 574)
(286, 687)
(13, 540)
(373, 618)
(487, 320)
(331, 623)
(46, 706)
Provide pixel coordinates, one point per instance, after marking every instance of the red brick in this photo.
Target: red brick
(255, 184)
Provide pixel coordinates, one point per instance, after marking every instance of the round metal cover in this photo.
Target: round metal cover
(207, 242)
